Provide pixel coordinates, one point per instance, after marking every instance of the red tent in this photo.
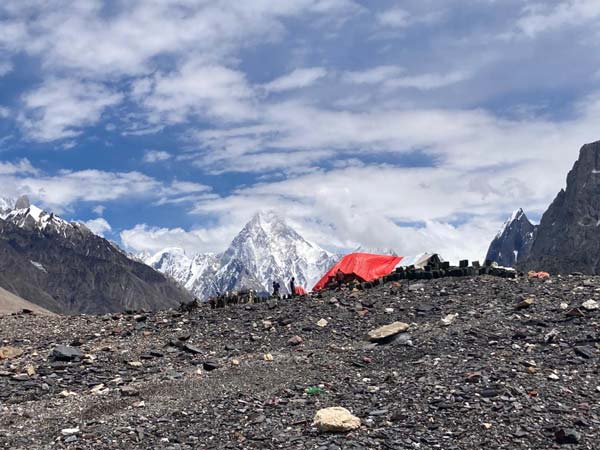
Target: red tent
(299, 290)
(362, 266)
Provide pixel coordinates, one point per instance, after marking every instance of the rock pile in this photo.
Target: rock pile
(461, 367)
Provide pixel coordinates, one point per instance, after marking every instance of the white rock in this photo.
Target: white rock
(590, 305)
(336, 420)
(69, 431)
(554, 377)
(564, 306)
(322, 323)
(449, 319)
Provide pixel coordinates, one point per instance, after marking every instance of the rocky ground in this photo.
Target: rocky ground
(486, 363)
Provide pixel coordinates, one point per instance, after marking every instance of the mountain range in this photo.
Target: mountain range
(567, 238)
(267, 249)
(65, 268)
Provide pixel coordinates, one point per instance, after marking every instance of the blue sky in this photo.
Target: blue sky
(418, 125)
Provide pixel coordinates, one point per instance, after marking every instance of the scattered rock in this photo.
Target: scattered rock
(387, 331)
(335, 420)
(322, 323)
(64, 353)
(10, 352)
(209, 366)
(69, 431)
(525, 303)
(565, 436)
(295, 340)
(585, 351)
(590, 305)
(448, 320)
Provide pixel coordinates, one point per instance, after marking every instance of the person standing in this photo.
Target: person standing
(293, 287)
(276, 287)
(339, 277)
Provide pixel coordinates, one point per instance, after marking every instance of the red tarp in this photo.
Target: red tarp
(363, 266)
(299, 290)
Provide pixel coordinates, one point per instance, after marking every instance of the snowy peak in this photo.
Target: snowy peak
(514, 240)
(267, 249)
(32, 217)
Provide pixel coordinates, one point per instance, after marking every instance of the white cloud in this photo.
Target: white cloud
(143, 237)
(394, 17)
(299, 78)
(59, 108)
(99, 209)
(152, 156)
(98, 226)
(5, 67)
(374, 75)
(197, 89)
(61, 191)
(542, 17)
(23, 167)
(391, 77)
(4, 112)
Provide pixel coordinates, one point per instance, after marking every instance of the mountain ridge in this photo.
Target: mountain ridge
(266, 249)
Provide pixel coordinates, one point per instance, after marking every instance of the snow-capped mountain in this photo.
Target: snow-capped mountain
(265, 250)
(513, 242)
(66, 268)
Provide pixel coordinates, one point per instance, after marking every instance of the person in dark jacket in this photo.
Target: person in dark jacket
(339, 277)
(276, 287)
(293, 287)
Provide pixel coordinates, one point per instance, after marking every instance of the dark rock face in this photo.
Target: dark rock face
(513, 243)
(568, 237)
(71, 270)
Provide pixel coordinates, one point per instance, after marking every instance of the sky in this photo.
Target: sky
(418, 125)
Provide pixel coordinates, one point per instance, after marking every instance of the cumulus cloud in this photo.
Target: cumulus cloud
(98, 226)
(299, 78)
(197, 89)
(59, 108)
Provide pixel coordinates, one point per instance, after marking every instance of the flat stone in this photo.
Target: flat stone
(387, 331)
(10, 352)
(64, 353)
(335, 420)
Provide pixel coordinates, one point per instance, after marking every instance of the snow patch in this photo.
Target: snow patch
(39, 266)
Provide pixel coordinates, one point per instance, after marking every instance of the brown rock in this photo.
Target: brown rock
(336, 420)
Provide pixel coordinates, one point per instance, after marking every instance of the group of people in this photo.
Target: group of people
(234, 298)
(250, 297)
(292, 286)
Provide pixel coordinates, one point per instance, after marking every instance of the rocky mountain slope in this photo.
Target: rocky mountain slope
(513, 242)
(568, 237)
(10, 303)
(64, 267)
(513, 365)
(266, 249)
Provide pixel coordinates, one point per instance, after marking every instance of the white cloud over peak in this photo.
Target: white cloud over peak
(98, 226)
